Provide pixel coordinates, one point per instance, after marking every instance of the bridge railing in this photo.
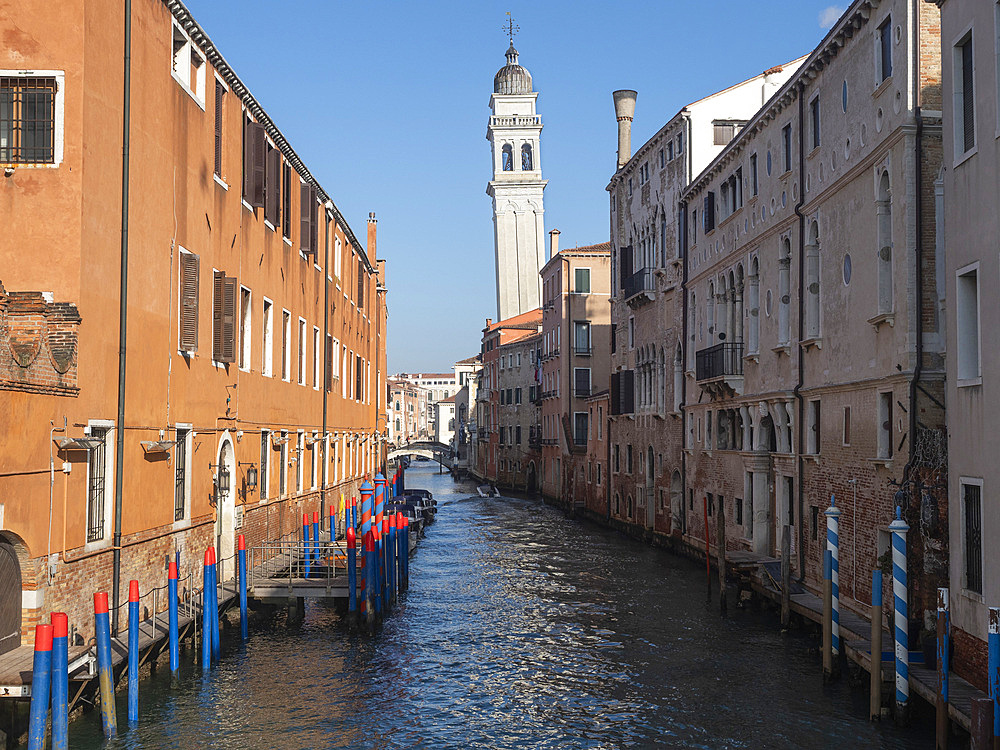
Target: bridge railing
(284, 560)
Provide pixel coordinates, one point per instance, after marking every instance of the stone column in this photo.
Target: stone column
(761, 505)
(784, 300)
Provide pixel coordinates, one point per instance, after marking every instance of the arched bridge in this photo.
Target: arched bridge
(427, 448)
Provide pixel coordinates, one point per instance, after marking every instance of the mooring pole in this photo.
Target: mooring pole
(102, 630)
(708, 558)
(720, 543)
(827, 616)
(41, 678)
(60, 681)
(898, 529)
(875, 705)
(993, 670)
(242, 567)
(833, 544)
(941, 706)
(133, 652)
(786, 576)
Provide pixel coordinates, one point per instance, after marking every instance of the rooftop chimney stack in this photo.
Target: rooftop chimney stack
(554, 243)
(624, 111)
(372, 239)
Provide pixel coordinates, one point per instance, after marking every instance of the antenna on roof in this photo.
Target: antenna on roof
(510, 28)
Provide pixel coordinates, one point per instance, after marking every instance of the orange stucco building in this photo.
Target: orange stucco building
(254, 319)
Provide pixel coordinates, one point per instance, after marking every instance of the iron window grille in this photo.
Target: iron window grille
(96, 484)
(180, 472)
(27, 120)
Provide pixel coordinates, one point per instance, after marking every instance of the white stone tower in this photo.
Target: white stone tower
(514, 133)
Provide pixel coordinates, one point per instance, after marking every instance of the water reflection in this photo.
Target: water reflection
(520, 629)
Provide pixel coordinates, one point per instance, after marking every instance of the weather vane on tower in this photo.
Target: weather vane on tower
(510, 28)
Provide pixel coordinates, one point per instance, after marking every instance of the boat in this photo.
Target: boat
(486, 490)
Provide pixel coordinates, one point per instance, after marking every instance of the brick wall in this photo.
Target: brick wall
(969, 658)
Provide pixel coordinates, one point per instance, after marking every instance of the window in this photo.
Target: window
(187, 66)
(581, 279)
(680, 143)
(628, 459)
(220, 97)
(517, 434)
(708, 215)
(337, 252)
(361, 283)
(526, 161)
(286, 345)
(580, 428)
(266, 354)
(814, 522)
(670, 150)
(885, 425)
(631, 333)
(308, 219)
(581, 337)
(629, 187)
(265, 448)
(710, 504)
(254, 163)
(180, 473)
(283, 468)
(967, 309)
(316, 358)
(964, 86)
(972, 491)
(299, 460)
(581, 380)
(723, 132)
(224, 318)
(661, 158)
(847, 425)
(97, 471)
(814, 120)
(302, 352)
(738, 504)
(884, 40)
(30, 108)
(187, 325)
(618, 467)
(286, 202)
(245, 328)
(813, 426)
(517, 396)
(507, 158)
(753, 174)
(313, 454)
(598, 472)
(359, 373)
(786, 147)
(272, 186)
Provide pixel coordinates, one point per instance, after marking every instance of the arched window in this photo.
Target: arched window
(753, 334)
(812, 282)
(784, 292)
(884, 211)
(526, 162)
(507, 158)
(678, 377)
(710, 312)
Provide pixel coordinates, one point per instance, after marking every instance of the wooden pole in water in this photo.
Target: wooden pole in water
(786, 576)
(720, 542)
(827, 616)
(708, 558)
(875, 706)
(942, 670)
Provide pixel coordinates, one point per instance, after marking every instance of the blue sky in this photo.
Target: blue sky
(387, 103)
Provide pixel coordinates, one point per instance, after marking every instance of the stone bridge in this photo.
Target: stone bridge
(428, 449)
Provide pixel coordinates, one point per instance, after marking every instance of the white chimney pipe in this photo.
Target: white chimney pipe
(553, 243)
(624, 111)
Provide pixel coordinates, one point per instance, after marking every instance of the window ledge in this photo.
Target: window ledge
(674, 414)
(814, 457)
(220, 182)
(807, 344)
(751, 358)
(962, 158)
(782, 349)
(269, 225)
(881, 318)
(187, 89)
(969, 382)
(247, 206)
(883, 462)
(883, 86)
(286, 241)
(973, 595)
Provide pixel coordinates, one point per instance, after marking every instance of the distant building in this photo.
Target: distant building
(407, 412)
(518, 414)
(444, 420)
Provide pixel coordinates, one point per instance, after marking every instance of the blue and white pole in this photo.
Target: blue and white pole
(898, 528)
(993, 668)
(833, 544)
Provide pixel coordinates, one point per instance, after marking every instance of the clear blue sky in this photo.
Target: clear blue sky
(387, 103)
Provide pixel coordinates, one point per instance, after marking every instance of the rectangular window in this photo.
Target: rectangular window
(973, 533)
(813, 434)
(302, 352)
(265, 448)
(581, 337)
(814, 522)
(517, 434)
(254, 167)
(286, 345)
(316, 358)
(220, 97)
(187, 327)
(738, 504)
(885, 49)
(710, 504)
(722, 133)
(266, 354)
(358, 378)
(27, 120)
(964, 86)
(708, 214)
(286, 202)
(313, 453)
(628, 458)
(308, 221)
(361, 283)
(180, 473)
(283, 468)
(300, 454)
(814, 120)
(245, 328)
(581, 381)
(272, 186)
(670, 151)
(187, 66)
(580, 421)
(786, 147)
(517, 395)
(967, 320)
(680, 143)
(847, 425)
(661, 158)
(331, 362)
(581, 280)
(885, 425)
(753, 174)
(224, 318)
(97, 459)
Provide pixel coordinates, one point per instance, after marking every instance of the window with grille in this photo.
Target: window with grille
(965, 121)
(265, 439)
(972, 509)
(96, 475)
(27, 120)
(180, 474)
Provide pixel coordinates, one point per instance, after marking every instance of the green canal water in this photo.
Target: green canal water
(520, 629)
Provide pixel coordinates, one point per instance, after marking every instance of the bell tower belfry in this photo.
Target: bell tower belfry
(514, 133)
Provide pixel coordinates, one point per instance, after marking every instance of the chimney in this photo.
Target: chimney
(372, 241)
(624, 110)
(554, 243)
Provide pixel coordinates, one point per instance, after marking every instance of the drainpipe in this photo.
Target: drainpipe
(326, 376)
(122, 318)
(918, 250)
(800, 432)
(682, 227)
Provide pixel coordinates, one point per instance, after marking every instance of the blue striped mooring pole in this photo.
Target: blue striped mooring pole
(943, 628)
(106, 680)
(241, 552)
(352, 571)
(305, 543)
(833, 544)
(41, 679)
(206, 614)
(216, 635)
(133, 652)
(993, 668)
(406, 553)
(60, 681)
(898, 529)
(172, 625)
(370, 597)
(315, 546)
(390, 553)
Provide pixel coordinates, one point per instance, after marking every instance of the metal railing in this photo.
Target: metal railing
(284, 560)
(639, 282)
(719, 360)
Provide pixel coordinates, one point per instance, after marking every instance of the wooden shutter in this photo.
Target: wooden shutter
(624, 265)
(247, 160)
(616, 393)
(229, 293)
(220, 92)
(313, 222)
(329, 362)
(272, 186)
(259, 165)
(361, 283)
(218, 283)
(306, 211)
(188, 323)
(286, 203)
(628, 391)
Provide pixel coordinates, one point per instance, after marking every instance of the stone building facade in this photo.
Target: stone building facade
(407, 412)
(519, 414)
(814, 364)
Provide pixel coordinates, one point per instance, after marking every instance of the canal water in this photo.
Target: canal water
(520, 629)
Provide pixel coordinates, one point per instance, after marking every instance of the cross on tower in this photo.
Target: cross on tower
(510, 28)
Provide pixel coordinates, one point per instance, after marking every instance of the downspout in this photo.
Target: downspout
(325, 473)
(800, 432)
(683, 229)
(918, 249)
(122, 317)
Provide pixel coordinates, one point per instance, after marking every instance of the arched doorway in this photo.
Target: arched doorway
(10, 597)
(225, 510)
(531, 482)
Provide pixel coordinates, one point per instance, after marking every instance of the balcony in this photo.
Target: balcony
(640, 287)
(719, 369)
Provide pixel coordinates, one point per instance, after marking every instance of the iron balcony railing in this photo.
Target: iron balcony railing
(639, 282)
(583, 350)
(719, 360)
